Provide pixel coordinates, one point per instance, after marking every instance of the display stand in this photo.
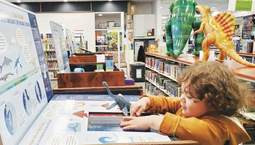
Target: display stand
(90, 82)
(90, 79)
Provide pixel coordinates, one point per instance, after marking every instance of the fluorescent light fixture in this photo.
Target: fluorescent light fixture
(18, 1)
(100, 15)
(109, 0)
(65, 0)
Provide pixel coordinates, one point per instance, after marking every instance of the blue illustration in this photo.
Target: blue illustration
(27, 103)
(73, 126)
(7, 62)
(107, 140)
(17, 62)
(10, 118)
(38, 92)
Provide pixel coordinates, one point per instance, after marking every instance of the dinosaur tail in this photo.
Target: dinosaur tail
(232, 53)
(107, 88)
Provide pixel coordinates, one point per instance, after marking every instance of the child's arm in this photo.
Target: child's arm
(142, 123)
(162, 104)
(140, 106)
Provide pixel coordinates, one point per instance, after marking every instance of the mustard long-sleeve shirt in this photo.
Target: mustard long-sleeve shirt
(211, 129)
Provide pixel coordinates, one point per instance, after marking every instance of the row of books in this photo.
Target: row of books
(49, 47)
(53, 74)
(247, 58)
(167, 85)
(153, 90)
(50, 55)
(46, 36)
(52, 65)
(171, 69)
(247, 47)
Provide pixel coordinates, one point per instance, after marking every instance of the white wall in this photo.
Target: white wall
(143, 7)
(71, 21)
(157, 10)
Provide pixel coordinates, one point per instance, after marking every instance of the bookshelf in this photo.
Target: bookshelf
(161, 72)
(105, 24)
(250, 57)
(50, 56)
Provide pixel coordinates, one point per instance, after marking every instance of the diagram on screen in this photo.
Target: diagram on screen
(17, 63)
(38, 92)
(27, 102)
(5, 77)
(75, 127)
(10, 118)
(107, 140)
(6, 62)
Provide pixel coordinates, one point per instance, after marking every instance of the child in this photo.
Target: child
(211, 95)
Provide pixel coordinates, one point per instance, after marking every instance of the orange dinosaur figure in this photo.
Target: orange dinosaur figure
(218, 31)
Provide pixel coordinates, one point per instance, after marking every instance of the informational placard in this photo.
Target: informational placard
(24, 79)
(69, 41)
(241, 5)
(65, 121)
(60, 47)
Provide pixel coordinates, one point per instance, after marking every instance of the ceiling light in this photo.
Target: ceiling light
(65, 0)
(18, 1)
(109, 0)
(100, 15)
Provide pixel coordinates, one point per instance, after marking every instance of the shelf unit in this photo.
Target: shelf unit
(161, 68)
(250, 57)
(130, 26)
(50, 55)
(105, 21)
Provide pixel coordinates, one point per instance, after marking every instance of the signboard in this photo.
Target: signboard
(24, 81)
(69, 41)
(241, 5)
(60, 47)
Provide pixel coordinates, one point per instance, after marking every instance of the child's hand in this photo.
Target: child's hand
(140, 106)
(141, 123)
(135, 123)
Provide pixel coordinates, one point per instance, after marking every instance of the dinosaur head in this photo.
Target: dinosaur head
(203, 10)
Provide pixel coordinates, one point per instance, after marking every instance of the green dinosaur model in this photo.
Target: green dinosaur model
(179, 27)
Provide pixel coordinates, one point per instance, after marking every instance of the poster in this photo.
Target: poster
(24, 81)
(69, 41)
(60, 47)
(80, 42)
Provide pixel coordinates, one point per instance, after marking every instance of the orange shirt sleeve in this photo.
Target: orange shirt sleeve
(162, 104)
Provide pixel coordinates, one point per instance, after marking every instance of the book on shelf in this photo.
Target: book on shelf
(100, 68)
(109, 62)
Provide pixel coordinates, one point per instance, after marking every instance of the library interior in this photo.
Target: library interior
(154, 72)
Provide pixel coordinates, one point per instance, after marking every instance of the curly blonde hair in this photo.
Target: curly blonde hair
(213, 81)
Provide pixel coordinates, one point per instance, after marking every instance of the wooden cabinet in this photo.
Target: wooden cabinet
(143, 24)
